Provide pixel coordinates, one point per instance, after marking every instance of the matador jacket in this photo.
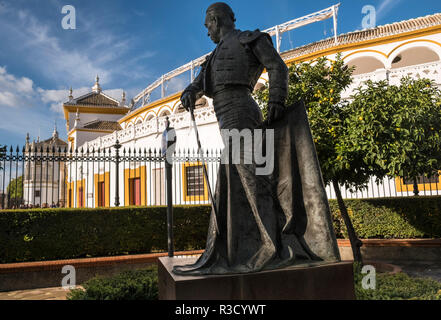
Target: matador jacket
(239, 59)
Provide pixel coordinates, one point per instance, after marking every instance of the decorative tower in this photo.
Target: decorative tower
(70, 94)
(96, 88)
(27, 141)
(77, 120)
(123, 100)
(55, 132)
(99, 115)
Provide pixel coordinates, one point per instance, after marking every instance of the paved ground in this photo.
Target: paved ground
(413, 269)
(57, 293)
(35, 294)
(426, 269)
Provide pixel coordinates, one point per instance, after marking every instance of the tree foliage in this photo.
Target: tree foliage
(319, 84)
(15, 188)
(397, 128)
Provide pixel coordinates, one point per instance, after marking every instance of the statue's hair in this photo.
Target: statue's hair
(223, 12)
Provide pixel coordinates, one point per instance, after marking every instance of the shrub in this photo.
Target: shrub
(128, 285)
(397, 286)
(386, 218)
(143, 285)
(47, 234)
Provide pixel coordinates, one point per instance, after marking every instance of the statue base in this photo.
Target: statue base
(313, 281)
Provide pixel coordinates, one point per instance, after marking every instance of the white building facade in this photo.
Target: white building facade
(96, 121)
(44, 179)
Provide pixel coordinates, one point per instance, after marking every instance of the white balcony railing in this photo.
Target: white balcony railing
(206, 115)
(429, 70)
(154, 126)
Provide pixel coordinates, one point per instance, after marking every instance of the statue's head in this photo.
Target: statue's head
(219, 15)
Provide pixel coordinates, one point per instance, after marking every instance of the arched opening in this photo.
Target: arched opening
(149, 117)
(365, 64)
(259, 86)
(413, 56)
(201, 103)
(180, 108)
(164, 113)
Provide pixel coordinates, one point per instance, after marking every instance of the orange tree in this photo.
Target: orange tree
(396, 128)
(320, 83)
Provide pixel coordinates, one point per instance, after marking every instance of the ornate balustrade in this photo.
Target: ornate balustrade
(429, 70)
(206, 115)
(156, 125)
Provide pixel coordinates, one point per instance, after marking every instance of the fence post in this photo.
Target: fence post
(168, 144)
(117, 146)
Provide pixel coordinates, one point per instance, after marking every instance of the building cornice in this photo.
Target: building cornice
(88, 109)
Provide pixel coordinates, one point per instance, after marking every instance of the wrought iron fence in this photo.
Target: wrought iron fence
(34, 176)
(58, 177)
(392, 187)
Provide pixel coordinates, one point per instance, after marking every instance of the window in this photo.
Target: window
(37, 193)
(194, 182)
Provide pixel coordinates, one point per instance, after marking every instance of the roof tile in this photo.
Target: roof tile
(103, 125)
(368, 34)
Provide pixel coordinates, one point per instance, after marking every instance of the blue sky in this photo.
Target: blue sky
(132, 43)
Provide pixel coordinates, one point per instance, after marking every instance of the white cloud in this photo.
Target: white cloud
(58, 62)
(25, 85)
(14, 91)
(28, 108)
(42, 49)
(54, 98)
(8, 99)
(114, 93)
(385, 7)
(178, 83)
(100, 52)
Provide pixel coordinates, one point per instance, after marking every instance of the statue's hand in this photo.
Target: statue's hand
(188, 100)
(275, 111)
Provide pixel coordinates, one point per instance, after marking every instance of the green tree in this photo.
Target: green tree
(397, 127)
(15, 190)
(319, 84)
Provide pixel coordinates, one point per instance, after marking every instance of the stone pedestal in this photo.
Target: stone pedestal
(308, 281)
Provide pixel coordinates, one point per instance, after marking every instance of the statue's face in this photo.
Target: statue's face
(212, 28)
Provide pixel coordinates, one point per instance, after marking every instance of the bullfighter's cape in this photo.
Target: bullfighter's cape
(299, 184)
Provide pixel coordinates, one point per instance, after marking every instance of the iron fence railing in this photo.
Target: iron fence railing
(58, 177)
(35, 176)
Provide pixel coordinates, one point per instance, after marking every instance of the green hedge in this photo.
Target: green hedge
(128, 285)
(391, 218)
(143, 285)
(48, 234)
(398, 286)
